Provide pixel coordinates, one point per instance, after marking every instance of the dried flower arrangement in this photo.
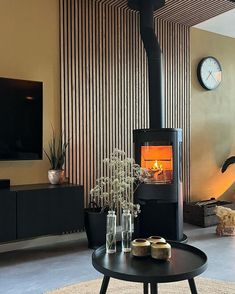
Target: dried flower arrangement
(123, 180)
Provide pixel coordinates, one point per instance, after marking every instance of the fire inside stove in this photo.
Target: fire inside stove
(157, 162)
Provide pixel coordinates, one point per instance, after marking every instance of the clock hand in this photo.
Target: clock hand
(210, 72)
(214, 78)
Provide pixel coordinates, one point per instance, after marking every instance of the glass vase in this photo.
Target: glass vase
(111, 232)
(126, 230)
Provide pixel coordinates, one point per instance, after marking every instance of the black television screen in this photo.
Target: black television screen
(20, 119)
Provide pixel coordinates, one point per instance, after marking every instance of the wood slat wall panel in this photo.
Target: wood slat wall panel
(187, 12)
(104, 84)
(174, 41)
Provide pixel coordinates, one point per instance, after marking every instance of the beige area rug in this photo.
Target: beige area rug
(204, 286)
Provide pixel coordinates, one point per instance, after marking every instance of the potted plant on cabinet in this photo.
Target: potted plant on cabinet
(56, 157)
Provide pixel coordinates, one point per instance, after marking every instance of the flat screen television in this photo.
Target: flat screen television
(20, 119)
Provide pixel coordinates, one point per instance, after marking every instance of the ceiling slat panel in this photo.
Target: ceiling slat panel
(187, 12)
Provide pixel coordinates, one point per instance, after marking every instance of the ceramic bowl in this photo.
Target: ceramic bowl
(156, 239)
(161, 250)
(140, 247)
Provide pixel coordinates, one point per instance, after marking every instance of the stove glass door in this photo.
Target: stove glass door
(158, 164)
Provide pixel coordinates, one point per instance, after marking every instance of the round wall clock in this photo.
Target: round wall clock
(209, 73)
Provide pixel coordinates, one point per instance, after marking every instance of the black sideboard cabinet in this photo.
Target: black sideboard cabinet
(36, 210)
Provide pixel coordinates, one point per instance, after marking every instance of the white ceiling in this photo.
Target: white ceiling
(223, 24)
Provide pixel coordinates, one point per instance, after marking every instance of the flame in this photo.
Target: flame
(158, 161)
(157, 167)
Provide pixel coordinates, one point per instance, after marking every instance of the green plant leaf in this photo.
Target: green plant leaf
(57, 151)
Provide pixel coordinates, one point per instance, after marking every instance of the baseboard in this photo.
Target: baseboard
(41, 241)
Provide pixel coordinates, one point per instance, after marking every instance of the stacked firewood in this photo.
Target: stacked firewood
(226, 225)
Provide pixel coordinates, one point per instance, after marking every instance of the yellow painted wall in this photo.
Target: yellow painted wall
(212, 119)
(29, 49)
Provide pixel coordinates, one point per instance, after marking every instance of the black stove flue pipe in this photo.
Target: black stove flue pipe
(154, 55)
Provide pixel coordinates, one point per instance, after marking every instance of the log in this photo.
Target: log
(226, 225)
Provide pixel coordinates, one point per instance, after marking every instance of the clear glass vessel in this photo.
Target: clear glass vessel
(111, 232)
(126, 230)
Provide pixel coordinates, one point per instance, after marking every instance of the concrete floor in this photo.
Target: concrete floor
(43, 268)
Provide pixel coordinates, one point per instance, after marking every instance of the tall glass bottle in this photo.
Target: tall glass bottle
(111, 232)
(126, 230)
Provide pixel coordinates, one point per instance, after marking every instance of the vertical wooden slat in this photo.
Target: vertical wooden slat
(104, 84)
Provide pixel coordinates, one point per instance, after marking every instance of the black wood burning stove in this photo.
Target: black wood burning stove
(158, 150)
(159, 153)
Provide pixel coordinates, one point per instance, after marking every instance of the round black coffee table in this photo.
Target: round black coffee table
(186, 262)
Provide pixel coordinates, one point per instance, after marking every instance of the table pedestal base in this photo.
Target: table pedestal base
(153, 286)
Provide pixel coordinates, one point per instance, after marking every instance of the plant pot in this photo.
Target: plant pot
(95, 226)
(56, 176)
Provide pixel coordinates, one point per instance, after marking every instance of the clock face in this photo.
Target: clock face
(209, 73)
